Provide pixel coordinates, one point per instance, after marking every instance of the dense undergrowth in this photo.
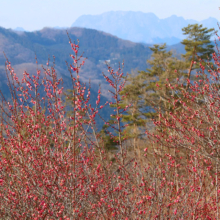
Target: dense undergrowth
(57, 167)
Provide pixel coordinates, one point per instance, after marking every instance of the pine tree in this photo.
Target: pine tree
(197, 44)
(148, 89)
(132, 96)
(164, 68)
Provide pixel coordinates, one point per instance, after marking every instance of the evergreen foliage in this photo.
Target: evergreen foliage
(132, 96)
(197, 45)
(164, 68)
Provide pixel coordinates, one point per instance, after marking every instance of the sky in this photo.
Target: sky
(37, 14)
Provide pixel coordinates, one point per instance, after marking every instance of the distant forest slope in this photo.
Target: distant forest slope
(97, 46)
(21, 48)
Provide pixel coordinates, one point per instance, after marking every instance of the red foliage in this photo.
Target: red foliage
(51, 167)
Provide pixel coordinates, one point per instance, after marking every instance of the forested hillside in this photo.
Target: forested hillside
(98, 46)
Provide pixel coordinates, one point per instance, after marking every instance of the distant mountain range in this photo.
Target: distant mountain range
(141, 27)
(19, 29)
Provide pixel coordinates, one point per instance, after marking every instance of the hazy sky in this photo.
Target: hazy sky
(36, 14)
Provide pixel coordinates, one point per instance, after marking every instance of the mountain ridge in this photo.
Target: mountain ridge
(21, 48)
(140, 26)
